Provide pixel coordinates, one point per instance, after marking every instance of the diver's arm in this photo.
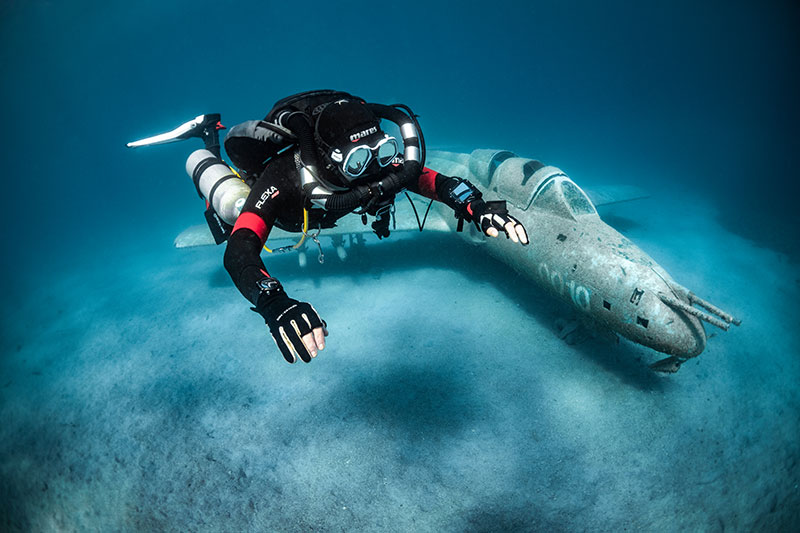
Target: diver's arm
(243, 260)
(467, 202)
(428, 182)
(295, 326)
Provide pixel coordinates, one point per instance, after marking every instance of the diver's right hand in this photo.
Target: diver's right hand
(295, 326)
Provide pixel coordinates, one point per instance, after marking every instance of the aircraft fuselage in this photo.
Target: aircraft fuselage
(576, 256)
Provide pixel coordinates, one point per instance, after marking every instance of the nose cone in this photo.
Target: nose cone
(655, 324)
(686, 333)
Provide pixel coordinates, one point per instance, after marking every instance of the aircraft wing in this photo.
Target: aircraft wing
(192, 236)
(614, 194)
(200, 235)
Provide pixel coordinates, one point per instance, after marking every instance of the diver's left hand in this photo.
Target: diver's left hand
(492, 217)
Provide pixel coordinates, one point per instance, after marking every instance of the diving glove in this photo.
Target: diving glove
(493, 217)
(489, 217)
(295, 326)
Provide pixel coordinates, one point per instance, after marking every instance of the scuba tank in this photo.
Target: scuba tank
(223, 191)
(217, 184)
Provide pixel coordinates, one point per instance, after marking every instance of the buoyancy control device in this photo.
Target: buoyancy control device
(252, 144)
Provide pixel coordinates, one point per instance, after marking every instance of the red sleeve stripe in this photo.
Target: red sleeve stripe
(254, 223)
(427, 183)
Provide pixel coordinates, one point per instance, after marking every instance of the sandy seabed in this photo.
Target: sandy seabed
(145, 396)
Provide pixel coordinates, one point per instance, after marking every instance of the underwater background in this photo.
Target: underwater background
(138, 392)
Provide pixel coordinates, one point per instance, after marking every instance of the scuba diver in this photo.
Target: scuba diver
(316, 157)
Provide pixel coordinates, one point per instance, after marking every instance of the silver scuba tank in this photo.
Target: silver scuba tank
(215, 182)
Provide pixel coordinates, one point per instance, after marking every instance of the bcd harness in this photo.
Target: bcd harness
(252, 144)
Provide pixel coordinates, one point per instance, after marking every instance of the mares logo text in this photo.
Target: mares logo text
(361, 134)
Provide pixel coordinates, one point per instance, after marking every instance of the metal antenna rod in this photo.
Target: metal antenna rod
(694, 312)
(714, 309)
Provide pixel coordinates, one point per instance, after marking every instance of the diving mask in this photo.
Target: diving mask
(359, 157)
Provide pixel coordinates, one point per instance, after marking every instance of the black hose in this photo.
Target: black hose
(347, 201)
(299, 124)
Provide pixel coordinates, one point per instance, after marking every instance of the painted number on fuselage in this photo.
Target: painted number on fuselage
(580, 295)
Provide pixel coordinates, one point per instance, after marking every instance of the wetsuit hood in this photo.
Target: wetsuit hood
(340, 126)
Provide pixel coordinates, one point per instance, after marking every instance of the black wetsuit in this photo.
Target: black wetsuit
(276, 199)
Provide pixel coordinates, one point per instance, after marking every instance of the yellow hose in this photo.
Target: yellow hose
(305, 221)
(303, 238)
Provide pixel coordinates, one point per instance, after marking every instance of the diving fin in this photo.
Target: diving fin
(220, 229)
(202, 126)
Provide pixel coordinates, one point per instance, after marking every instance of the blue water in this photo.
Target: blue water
(700, 100)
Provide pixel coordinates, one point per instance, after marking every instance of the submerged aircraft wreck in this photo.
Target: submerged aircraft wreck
(577, 257)
(573, 254)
